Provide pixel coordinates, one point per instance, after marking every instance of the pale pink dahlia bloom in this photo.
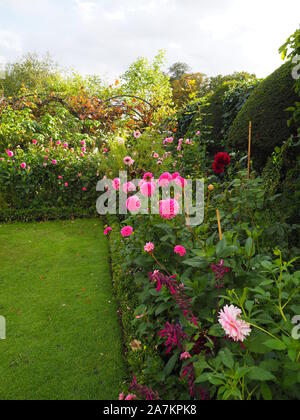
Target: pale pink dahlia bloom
(133, 204)
(128, 161)
(168, 209)
(149, 247)
(233, 325)
(137, 134)
(129, 187)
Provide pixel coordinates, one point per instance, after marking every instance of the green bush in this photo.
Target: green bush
(266, 108)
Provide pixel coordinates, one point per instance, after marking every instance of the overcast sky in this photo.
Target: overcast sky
(105, 36)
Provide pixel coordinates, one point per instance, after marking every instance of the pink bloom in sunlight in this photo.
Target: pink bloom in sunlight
(54, 162)
(168, 140)
(116, 184)
(188, 141)
(149, 247)
(165, 179)
(185, 356)
(179, 147)
(129, 187)
(66, 145)
(81, 154)
(23, 165)
(180, 250)
(137, 134)
(60, 177)
(122, 396)
(198, 133)
(58, 143)
(107, 231)
(130, 397)
(233, 325)
(133, 204)
(66, 184)
(155, 155)
(83, 149)
(128, 161)
(168, 209)
(127, 231)
(147, 188)
(34, 141)
(10, 154)
(82, 142)
(148, 177)
(181, 182)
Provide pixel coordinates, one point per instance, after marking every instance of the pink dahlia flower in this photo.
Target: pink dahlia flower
(107, 230)
(147, 188)
(66, 184)
(66, 145)
(58, 143)
(155, 155)
(34, 141)
(133, 204)
(137, 134)
(130, 397)
(165, 179)
(10, 154)
(127, 231)
(128, 161)
(233, 325)
(149, 247)
(185, 356)
(23, 165)
(168, 209)
(180, 250)
(129, 187)
(116, 184)
(84, 189)
(54, 162)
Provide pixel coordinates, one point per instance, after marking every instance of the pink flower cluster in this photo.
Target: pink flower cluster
(127, 231)
(177, 291)
(173, 336)
(143, 391)
(219, 271)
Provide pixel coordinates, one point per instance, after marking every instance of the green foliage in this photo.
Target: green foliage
(149, 82)
(266, 108)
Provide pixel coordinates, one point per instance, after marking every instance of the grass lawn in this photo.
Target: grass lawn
(63, 337)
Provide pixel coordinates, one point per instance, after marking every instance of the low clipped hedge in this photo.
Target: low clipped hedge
(8, 215)
(267, 109)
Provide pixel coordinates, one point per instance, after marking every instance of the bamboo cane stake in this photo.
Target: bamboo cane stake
(249, 149)
(219, 225)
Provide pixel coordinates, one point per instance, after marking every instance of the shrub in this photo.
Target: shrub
(266, 108)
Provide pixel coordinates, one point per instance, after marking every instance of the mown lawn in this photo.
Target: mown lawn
(63, 337)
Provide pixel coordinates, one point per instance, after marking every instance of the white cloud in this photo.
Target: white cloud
(105, 36)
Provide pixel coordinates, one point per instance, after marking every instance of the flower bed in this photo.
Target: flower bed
(206, 318)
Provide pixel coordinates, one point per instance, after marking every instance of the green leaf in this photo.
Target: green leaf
(275, 345)
(200, 365)
(266, 392)
(227, 358)
(171, 364)
(259, 374)
(250, 247)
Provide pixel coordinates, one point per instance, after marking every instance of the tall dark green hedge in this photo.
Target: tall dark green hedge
(266, 108)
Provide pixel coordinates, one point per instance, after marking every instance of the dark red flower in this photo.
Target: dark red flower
(222, 159)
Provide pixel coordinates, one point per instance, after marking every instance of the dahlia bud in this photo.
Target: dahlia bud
(211, 188)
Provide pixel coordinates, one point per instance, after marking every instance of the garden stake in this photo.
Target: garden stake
(219, 225)
(249, 149)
